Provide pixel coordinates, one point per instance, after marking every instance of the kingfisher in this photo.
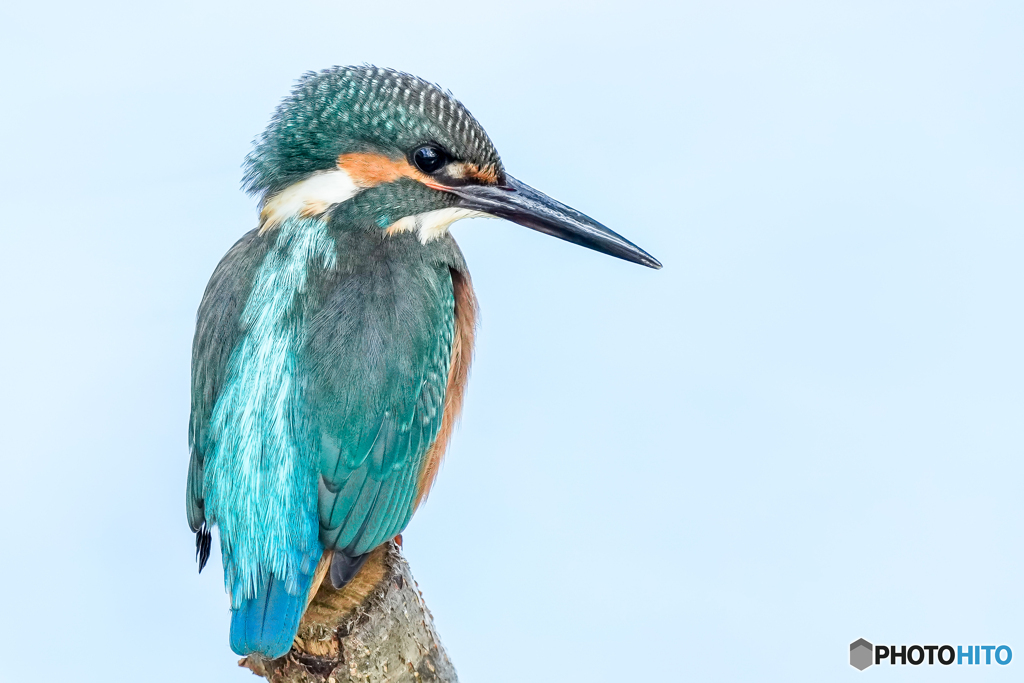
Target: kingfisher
(333, 341)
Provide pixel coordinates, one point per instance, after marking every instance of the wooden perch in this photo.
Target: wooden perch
(376, 629)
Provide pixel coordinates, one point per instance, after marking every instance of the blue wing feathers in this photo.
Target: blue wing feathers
(369, 534)
(356, 519)
(218, 330)
(382, 399)
(401, 509)
(335, 506)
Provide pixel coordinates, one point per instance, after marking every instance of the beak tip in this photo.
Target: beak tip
(641, 257)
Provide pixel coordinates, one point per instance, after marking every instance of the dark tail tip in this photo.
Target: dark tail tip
(203, 540)
(345, 567)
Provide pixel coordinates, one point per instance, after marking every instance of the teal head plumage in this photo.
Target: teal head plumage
(333, 341)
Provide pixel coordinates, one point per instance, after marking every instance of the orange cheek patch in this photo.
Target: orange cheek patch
(462, 170)
(487, 175)
(369, 170)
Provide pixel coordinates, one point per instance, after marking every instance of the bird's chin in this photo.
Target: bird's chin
(431, 225)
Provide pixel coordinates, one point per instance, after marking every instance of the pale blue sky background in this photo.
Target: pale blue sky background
(808, 428)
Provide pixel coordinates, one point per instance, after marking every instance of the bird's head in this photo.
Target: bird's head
(399, 154)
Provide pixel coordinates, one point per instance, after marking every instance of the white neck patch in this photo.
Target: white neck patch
(308, 198)
(433, 224)
(313, 196)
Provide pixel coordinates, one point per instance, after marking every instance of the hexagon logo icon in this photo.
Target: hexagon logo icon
(861, 654)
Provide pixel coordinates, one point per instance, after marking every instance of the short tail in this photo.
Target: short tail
(267, 623)
(345, 567)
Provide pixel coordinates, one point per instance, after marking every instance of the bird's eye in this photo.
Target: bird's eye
(429, 158)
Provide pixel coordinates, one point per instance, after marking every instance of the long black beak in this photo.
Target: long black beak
(520, 203)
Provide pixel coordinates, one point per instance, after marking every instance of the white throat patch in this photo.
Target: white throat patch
(308, 198)
(433, 224)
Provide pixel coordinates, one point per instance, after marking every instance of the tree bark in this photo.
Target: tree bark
(376, 629)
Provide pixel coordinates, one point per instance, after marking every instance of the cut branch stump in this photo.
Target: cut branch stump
(376, 629)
